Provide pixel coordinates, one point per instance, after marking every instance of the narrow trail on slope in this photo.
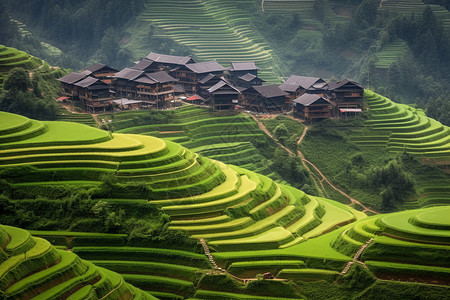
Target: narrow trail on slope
(356, 257)
(208, 254)
(263, 128)
(353, 201)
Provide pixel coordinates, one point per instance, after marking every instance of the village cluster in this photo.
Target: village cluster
(157, 80)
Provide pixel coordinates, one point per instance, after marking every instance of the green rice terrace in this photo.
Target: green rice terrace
(31, 268)
(244, 224)
(230, 139)
(211, 29)
(11, 58)
(400, 127)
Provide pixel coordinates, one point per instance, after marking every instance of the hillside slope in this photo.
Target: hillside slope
(212, 30)
(31, 267)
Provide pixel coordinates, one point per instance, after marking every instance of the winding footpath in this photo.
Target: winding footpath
(309, 164)
(356, 257)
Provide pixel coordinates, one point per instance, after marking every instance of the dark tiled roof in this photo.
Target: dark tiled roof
(270, 91)
(98, 67)
(206, 67)
(294, 82)
(336, 85)
(221, 84)
(243, 66)
(207, 78)
(161, 77)
(73, 77)
(88, 81)
(308, 99)
(95, 67)
(128, 73)
(142, 64)
(145, 79)
(169, 59)
(249, 77)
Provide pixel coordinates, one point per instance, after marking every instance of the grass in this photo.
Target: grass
(218, 31)
(307, 274)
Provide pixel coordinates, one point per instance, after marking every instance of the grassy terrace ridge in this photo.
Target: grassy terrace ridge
(399, 127)
(230, 139)
(39, 271)
(398, 234)
(211, 30)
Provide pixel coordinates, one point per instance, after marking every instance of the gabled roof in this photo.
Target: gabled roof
(73, 77)
(97, 67)
(142, 64)
(145, 79)
(156, 77)
(206, 67)
(161, 77)
(294, 82)
(339, 84)
(243, 66)
(128, 73)
(269, 91)
(169, 59)
(220, 85)
(308, 99)
(207, 78)
(88, 81)
(249, 77)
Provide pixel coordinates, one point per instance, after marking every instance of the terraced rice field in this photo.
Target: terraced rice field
(11, 58)
(230, 207)
(212, 29)
(400, 127)
(390, 54)
(304, 8)
(67, 116)
(406, 7)
(401, 241)
(227, 139)
(250, 223)
(31, 267)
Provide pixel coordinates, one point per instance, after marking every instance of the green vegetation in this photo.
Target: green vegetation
(37, 269)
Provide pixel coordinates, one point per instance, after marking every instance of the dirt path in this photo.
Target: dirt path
(356, 257)
(324, 178)
(263, 128)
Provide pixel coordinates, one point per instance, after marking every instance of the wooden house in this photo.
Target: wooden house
(207, 82)
(223, 95)
(155, 88)
(68, 87)
(124, 84)
(238, 69)
(248, 80)
(310, 106)
(346, 94)
(94, 94)
(102, 72)
(189, 75)
(296, 86)
(266, 98)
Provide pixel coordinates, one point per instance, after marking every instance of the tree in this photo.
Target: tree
(281, 132)
(366, 13)
(17, 80)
